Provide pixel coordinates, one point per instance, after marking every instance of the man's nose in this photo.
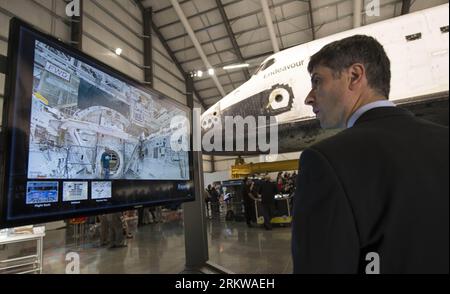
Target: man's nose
(309, 100)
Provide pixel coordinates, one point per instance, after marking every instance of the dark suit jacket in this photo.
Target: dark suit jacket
(267, 190)
(380, 186)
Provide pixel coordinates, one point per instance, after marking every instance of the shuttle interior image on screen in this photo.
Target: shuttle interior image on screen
(88, 124)
(84, 138)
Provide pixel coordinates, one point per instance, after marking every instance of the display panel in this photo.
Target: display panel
(82, 138)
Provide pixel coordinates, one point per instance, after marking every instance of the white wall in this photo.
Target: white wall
(167, 77)
(107, 26)
(207, 165)
(209, 178)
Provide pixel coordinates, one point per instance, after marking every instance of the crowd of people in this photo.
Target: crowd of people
(258, 188)
(213, 198)
(286, 182)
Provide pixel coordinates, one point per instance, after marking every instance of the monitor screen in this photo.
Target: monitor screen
(81, 138)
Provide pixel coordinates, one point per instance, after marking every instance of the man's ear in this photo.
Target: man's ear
(357, 74)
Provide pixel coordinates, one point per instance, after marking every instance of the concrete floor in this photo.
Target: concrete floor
(159, 249)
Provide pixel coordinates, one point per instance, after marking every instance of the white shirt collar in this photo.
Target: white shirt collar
(360, 111)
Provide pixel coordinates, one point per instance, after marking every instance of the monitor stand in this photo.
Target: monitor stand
(3, 61)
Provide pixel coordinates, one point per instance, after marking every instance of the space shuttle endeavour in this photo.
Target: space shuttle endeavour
(417, 45)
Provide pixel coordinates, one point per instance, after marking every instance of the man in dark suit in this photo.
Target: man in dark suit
(248, 200)
(375, 197)
(267, 190)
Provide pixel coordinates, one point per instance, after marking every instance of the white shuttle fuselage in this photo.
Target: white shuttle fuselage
(417, 45)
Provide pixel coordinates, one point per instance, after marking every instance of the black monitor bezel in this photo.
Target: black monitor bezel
(16, 25)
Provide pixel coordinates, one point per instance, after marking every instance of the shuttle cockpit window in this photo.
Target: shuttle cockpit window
(266, 64)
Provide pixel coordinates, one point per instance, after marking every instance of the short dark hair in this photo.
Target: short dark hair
(366, 50)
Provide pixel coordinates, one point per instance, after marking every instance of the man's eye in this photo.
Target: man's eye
(315, 82)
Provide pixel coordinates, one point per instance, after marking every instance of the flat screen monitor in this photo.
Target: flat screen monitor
(81, 138)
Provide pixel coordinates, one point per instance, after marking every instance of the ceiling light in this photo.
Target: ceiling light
(199, 73)
(236, 66)
(211, 71)
(118, 51)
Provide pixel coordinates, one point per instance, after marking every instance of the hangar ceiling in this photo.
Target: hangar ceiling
(230, 32)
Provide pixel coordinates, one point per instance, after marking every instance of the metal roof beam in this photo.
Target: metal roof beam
(188, 17)
(198, 14)
(197, 45)
(245, 45)
(238, 33)
(257, 27)
(226, 50)
(170, 6)
(269, 24)
(231, 36)
(262, 41)
(227, 84)
(231, 20)
(245, 58)
(311, 20)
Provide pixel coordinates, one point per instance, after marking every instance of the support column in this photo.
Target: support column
(148, 51)
(2, 64)
(76, 29)
(406, 5)
(213, 164)
(196, 241)
(311, 20)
